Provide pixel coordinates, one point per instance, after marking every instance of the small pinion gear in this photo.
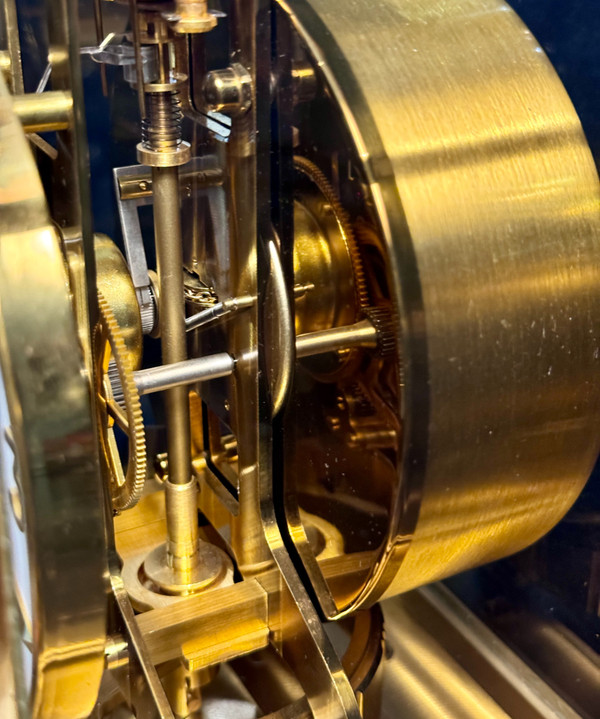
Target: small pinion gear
(383, 321)
(125, 411)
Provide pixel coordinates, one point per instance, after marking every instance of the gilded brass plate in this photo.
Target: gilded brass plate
(56, 471)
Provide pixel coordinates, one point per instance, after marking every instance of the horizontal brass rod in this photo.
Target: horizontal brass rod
(44, 111)
(139, 185)
(362, 334)
(158, 379)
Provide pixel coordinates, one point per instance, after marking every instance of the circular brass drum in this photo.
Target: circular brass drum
(487, 200)
(52, 551)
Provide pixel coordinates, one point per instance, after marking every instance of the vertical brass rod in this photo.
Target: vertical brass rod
(169, 253)
(11, 26)
(180, 494)
(163, 62)
(139, 67)
(99, 23)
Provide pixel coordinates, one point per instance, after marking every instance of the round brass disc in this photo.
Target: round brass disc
(486, 198)
(212, 567)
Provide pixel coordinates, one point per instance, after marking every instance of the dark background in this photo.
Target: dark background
(569, 32)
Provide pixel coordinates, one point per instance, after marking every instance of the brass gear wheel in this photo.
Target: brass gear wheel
(308, 168)
(125, 411)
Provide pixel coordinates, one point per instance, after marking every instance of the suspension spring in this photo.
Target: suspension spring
(161, 129)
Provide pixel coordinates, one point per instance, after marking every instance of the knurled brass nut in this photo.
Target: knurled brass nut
(194, 25)
(228, 91)
(191, 16)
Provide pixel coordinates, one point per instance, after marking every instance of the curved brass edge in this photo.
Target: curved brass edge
(365, 650)
(283, 332)
(49, 399)
(487, 201)
(337, 74)
(298, 633)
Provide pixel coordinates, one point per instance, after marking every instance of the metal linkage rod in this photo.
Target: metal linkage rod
(216, 311)
(158, 379)
(45, 111)
(221, 309)
(362, 334)
(201, 369)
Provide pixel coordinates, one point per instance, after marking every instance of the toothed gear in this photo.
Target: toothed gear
(147, 303)
(314, 173)
(115, 383)
(147, 315)
(381, 319)
(122, 406)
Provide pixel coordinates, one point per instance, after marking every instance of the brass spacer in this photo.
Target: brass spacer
(192, 26)
(164, 158)
(211, 569)
(191, 16)
(146, 594)
(172, 84)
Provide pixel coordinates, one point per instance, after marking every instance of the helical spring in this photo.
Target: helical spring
(161, 129)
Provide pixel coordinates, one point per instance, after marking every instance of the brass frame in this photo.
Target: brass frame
(49, 397)
(491, 457)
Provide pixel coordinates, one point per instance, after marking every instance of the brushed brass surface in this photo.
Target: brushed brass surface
(446, 662)
(13, 46)
(486, 200)
(202, 622)
(462, 201)
(231, 621)
(168, 567)
(49, 401)
(442, 659)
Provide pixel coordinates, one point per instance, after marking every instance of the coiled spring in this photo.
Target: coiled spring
(161, 129)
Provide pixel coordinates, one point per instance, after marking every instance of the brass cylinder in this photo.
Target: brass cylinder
(169, 254)
(193, 17)
(44, 111)
(182, 523)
